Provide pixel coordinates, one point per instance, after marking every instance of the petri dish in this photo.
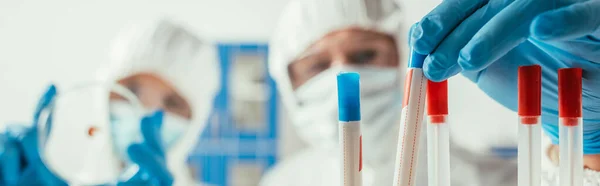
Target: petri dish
(76, 136)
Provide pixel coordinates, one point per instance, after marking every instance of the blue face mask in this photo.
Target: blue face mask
(173, 128)
(125, 127)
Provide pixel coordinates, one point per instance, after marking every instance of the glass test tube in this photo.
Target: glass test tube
(350, 137)
(530, 134)
(410, 122)
(438, 136)
(570, 127)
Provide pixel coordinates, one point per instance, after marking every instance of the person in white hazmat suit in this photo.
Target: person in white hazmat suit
(168, 67)
(315, 40)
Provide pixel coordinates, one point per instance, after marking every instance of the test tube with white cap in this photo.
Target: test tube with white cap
(570, 127)
(350, 137)
(438, 135)
(530, 98)
(413, 108)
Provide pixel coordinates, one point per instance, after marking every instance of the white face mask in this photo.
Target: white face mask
(381, 94)
(125, 127)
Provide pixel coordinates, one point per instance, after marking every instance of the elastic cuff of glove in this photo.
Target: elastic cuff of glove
(591, 142)
(589, 149)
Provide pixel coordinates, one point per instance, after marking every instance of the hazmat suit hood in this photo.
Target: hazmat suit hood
(303, 23)
(179, 57)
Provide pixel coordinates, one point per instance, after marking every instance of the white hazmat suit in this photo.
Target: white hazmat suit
(177, 56)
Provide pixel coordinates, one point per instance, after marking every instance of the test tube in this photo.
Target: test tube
(570, 127)
(413, 108)
(530, 99)
(438, 137)
(350, 137)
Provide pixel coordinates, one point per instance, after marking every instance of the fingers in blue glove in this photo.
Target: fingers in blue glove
(443, 62)
(570, 22)
(44, 101)
(10, 160)
(502, 33)
(410, 32)
(29, 141)
(436, 25)
(151, 131)
(148, 161)
(36, 175)
(139, 182)
(43, 104)
(149, 155)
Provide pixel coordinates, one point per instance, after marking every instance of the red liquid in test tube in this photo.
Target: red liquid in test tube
(570, 127)
(438, 137)
(530, 98)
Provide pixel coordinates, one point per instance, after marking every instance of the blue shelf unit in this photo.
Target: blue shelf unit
(227, 154)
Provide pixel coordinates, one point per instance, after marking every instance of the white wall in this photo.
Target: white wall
(65, 41)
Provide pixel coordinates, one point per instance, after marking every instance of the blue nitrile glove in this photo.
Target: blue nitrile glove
(149, 155)
(487, 40)
(20, 162)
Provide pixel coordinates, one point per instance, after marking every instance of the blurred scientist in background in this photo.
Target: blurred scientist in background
(317, 39)
(168, 68)
(314, 41)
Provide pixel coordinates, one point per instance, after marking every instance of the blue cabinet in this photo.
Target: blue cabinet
(239, 142)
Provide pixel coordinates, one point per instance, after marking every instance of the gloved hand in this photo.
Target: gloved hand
(149, 156)
(20, 162)
(487, 40)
